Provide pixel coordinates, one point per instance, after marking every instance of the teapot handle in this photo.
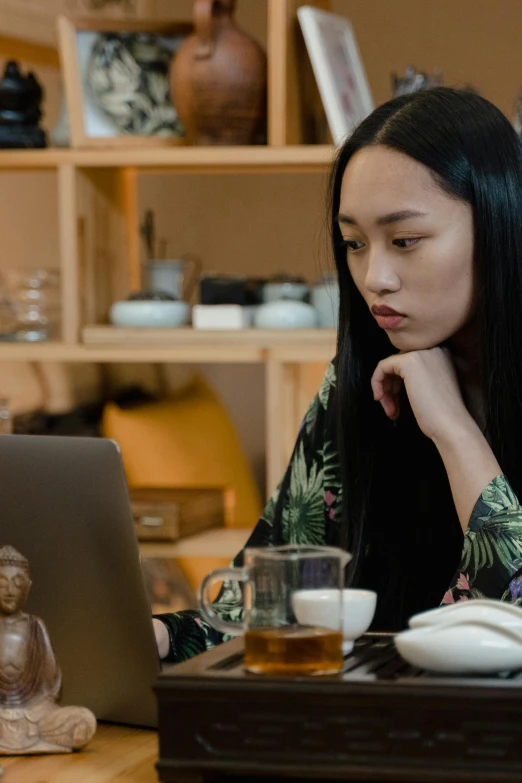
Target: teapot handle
(221, 575)
(204, 24)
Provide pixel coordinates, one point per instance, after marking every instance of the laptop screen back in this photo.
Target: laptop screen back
(64, 505)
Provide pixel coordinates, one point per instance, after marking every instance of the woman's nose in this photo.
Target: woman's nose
(380, 274)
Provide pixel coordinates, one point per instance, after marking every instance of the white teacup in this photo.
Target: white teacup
(321, 608)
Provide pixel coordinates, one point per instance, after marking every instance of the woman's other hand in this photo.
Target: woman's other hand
(162, 637)
(434, 395)
(432, 388)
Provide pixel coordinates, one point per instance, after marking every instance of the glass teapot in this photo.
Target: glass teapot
(293, 608)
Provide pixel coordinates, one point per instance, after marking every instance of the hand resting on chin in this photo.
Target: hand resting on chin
(431, 384)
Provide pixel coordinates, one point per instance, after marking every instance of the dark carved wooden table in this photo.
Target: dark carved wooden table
(380, 720)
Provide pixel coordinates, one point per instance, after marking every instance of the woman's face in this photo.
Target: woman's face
(410, 248)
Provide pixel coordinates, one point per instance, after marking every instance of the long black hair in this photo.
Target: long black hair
(399, 520)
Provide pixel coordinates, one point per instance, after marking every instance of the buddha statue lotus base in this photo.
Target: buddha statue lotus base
(31, 720)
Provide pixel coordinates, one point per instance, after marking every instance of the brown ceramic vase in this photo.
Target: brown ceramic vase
(218, 80)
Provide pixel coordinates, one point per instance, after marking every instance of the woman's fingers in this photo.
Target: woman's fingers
(432, 387)
(390, 399)
(386, 387)
(396, 386)
(377, 382)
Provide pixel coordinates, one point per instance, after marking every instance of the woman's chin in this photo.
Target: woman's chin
(409, 342)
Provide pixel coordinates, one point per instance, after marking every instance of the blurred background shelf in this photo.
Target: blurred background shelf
(297, 158)
(222, 543)
(112, 344)
(79, 211)
(268, 339)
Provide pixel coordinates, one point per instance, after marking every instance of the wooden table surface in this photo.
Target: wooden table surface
(117, 754)
(114, 755)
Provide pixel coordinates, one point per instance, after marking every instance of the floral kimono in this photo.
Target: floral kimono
(303, 510)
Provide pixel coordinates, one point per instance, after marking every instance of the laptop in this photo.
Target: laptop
(64, 504)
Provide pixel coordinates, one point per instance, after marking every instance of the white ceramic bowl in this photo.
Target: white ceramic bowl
(465, 648)
(321, 607)
(286, 314)
(149, 313)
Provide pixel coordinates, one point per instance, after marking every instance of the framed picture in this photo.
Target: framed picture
(115, 75)
(338, 70)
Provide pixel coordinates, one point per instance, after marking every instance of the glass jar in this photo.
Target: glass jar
(36, 297)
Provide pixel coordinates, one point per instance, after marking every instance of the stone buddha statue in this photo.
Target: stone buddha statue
(31, 721)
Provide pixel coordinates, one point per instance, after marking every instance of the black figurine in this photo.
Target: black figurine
(20, 113)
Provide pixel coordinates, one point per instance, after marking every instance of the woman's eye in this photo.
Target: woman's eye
(405, 243)
(352, 245)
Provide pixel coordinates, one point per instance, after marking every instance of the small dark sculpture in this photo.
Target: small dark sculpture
(413, 81)
(30, 680)
(20, 113)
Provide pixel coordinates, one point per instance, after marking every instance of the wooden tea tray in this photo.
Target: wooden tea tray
(380, 720)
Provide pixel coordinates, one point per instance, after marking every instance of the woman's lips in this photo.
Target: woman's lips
(387, 317)
(389, 321)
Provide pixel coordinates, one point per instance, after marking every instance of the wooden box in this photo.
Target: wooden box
(380, 720)
(170, 514)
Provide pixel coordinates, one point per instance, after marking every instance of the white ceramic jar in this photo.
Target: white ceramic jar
(286, 314)
(325, 299)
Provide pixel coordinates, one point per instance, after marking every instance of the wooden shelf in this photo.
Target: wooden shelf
(112, 344)
(224, 542)
(186, 335)
(305, 158)
(194, 345)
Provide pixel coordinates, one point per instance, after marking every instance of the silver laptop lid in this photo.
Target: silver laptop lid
(64, 504)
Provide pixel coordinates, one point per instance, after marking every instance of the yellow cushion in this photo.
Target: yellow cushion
(188, 441)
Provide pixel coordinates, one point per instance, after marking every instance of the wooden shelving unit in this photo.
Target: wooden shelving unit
(100, 247)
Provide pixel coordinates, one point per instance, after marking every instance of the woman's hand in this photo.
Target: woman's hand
(434, 395)
(432, 388)
(162, 637)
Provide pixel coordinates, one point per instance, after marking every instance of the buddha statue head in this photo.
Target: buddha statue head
(14, 581)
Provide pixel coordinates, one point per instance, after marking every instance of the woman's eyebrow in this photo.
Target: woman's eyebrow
(384, 220)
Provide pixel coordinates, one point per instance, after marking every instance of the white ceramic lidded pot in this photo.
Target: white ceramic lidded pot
(275, 290)
(286, 314)
(325, 299)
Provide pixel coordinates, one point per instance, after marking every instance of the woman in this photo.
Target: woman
(403, 456)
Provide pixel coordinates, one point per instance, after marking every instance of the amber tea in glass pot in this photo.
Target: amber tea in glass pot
(292, 615)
